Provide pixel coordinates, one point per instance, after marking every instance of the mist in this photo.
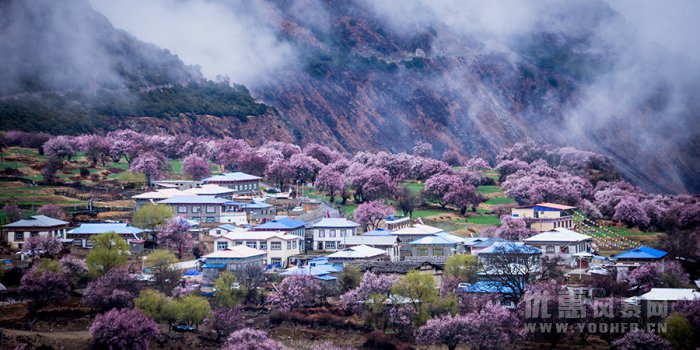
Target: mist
(237, 39)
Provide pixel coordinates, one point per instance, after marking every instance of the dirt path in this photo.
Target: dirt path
(78, 340)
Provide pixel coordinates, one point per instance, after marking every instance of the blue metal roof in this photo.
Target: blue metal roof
(642, 252)
(280, 224)
(486, 287)
(378, 232)
(119, 228)
(229, 227)
(510, 248)
(256, 205)
(214, 266)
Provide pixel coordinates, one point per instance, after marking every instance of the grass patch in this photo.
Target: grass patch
(176, 166)
(499, 201)
(484, 220)
(630, 232)
(414, 187)
(488, 189)
(428, 212)
(483, 211)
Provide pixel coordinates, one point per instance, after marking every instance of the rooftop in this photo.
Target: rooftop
(335, 222)
(193, 199)
(370, 240)
(119, 228)
(418, 229)
(642, 252)
(485, 287)
(357, 252)
(559, 234)
(401, 267)
(510, 248)
(481, 242)
(160, 194)
(440, 238)
(671, 294)
(280, 224)
(378, 232)
(37, 221)
(237, 176)
(208, 190)
(236, 252)
(555, 206)
(258, 235)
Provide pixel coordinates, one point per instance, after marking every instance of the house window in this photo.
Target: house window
(182, 210)
(321, 233)
(19, 236)
(294, 244)
(343, 233)
(33, 234)
(330, 245)
(332, 234)
(221, 245)
(263, 245)
(276, 261)
(211, 209)
(289, 245)
(251, 245)
(239, 243)
(422, 251)
(197, 218)
(196, 209)
(276, 246)
(438, 252)
(211, 219)
(550, 249)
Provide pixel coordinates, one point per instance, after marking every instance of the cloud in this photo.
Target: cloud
(237, 39)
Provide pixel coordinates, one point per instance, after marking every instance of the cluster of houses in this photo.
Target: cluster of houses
(240, 227)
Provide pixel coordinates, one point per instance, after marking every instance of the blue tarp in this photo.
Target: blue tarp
(192, 273)
(642, 253)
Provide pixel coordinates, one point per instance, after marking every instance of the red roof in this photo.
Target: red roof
(555, 206)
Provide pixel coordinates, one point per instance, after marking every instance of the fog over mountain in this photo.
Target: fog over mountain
(617, 77)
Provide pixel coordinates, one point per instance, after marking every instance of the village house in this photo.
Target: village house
(330, 233)
(626, 262)
(158, 195)
(491, 290)
(224, 229)
(440, 244)
(284, 225)
(473, 245)
(357, 253)
(665, 297)
(545, 216)
(278, 246)
(428, 267)
(387, 242)
(318, 268)
(211, 190)
(82, 234)
(16, 233)
(232, 259)
(207, 209)
(561, 242)
(238, 181)
(412, 233)
(509, 259)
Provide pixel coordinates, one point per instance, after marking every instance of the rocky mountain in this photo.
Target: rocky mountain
(369, 79)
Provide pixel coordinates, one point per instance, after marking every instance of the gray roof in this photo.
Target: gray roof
(440, 238)
(193, 200)
(119, 228)
(37, 221)
(370, 240)
(237, 176)
(335, 222)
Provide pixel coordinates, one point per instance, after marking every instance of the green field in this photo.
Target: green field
(414, 187)
(630, 232)
(488, 189)
(484, 220)
(499, 201)
(421, 213)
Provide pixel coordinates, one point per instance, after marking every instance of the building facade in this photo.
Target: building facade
(545, 216)
(197, 208)
(16, 233)
(330, 233)
(238, 181)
